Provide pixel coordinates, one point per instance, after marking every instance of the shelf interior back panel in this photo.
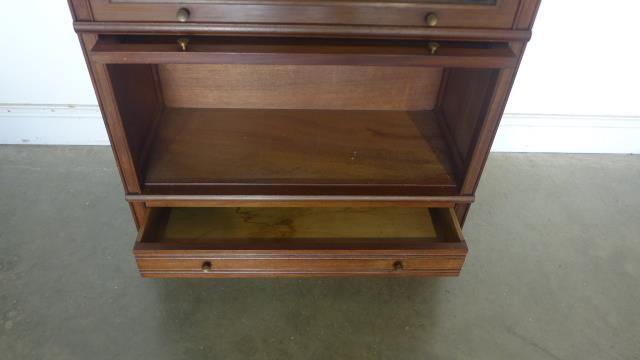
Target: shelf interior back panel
(322, 87)
(251, 146)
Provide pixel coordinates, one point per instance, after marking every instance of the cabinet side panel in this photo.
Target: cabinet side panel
(526, 14)
(112, 120)
(488, 128)
(80, 10)
(463, 105)
(139, 105)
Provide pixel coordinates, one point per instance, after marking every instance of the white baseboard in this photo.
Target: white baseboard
(52, 125)
(82, 125)
(568, 134)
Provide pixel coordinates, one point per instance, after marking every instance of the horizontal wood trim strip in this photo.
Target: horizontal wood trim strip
(293, 201)
(161, 250)
(296, 274)
(296, 30)
(301, 53)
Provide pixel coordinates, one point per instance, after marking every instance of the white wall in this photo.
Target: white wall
(577, 89)
(41, 61)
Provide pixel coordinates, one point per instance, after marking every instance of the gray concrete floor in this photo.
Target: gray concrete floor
(553, 273)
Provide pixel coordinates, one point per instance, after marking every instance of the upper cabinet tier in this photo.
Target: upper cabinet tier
(486, 14)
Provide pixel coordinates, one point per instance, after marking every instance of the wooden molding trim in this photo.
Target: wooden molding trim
(347, 31)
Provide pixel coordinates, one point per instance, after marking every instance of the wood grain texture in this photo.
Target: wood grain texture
(350, 141)
(139, 107)
(295, 242)
(306, 31)
(296, 227)
(232, 146)
(113, 122)
(80, 10)
(463, 105)
(299, 87)
(526, 14)
(199, 200)
(285, 51)
(378, 13)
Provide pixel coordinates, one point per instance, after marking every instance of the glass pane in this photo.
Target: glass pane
(459, 2)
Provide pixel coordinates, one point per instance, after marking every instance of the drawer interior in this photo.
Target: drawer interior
(239, 241)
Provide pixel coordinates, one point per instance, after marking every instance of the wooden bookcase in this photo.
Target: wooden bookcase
(301, 137)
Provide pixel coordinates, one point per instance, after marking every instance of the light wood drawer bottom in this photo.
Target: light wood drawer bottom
(253, 242)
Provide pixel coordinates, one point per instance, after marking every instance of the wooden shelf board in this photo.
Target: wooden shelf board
(292, 151)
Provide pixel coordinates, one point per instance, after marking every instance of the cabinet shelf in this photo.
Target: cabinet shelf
(298, 152)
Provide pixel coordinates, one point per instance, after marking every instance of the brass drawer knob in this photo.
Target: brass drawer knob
(431, 19)
(183, 15)
(183, 43)
(207, 266)
(433, 47)
(398, 266)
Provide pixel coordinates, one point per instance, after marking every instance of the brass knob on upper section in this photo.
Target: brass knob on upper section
(433, 47)
(207, 266)
(183, 15)
(431, 19)
(183, 43)
(398, 266)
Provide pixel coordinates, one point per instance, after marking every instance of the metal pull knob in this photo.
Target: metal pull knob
(433, 47)
(431, 19)
(183, 43)
(183, 15)
(398, 266)
(207, 266)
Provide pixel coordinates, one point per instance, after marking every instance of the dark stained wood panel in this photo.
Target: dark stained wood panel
(369, 170)
(300, 87)
(287, 51)
(463, 105)
(236, 146)
(139, 105)
(237, 242)
(379, 13)
(301, 30)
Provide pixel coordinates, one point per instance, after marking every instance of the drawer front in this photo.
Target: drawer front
(245, 242)
(254, 265)
(497, 14)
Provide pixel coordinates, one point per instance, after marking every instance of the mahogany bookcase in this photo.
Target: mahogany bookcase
(301, 137)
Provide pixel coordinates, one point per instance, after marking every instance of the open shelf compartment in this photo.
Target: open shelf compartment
(297, 128)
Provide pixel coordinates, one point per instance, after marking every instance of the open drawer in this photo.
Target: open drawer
(251, 242)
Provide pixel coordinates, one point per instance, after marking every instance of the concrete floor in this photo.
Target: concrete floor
(553, 273)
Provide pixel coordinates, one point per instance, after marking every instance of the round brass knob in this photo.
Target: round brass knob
(433, 47)
(183, 15)
(207, 266)
(398, 265)
(431, 19)
(183, 43)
